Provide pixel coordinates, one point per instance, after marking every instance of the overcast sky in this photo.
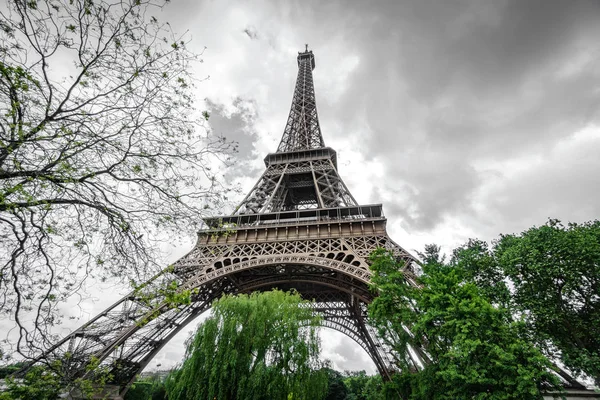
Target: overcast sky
(464, 118)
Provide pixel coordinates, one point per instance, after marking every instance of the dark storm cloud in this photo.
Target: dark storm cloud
(440, 88)
(571, 187)
(445, 85)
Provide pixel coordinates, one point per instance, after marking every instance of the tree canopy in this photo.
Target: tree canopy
(102, 153)
(147, 388)
(37, 384)
(470, 348)
(553, 272)
(336, 389)
(257, 346)
(364, 387)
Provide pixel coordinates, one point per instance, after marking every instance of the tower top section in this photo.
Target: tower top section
(306, 55)
(302, 130)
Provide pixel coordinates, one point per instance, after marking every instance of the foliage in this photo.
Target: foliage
(554, 273)
(336, 389)
(471, 348)
(37, 384)
(257, 346)
(102, 153)
(147, 389)
(364, 387)
(480, 267)
(48, 381)
(9, 369)
(140, 390)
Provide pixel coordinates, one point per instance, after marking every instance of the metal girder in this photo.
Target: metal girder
(331, 271)
(313, 182)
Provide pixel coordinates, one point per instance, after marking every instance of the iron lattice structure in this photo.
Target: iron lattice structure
(299, 227)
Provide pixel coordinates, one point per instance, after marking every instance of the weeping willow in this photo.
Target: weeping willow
(257, 346)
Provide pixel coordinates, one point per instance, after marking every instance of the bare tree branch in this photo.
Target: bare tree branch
(102, 153)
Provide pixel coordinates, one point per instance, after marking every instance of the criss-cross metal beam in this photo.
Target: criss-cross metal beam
(302, 130)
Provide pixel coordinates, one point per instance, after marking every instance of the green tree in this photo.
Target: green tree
(38, 384)
(479, 264)
(336, 390)
(9, 369)
(364, 387)
(140, 390)
(102, 153)
(46, 381)
(554, 273)
(257, 346)
(147, 389)
(472, 349)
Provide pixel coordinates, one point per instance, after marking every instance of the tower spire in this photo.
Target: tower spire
(302, 130)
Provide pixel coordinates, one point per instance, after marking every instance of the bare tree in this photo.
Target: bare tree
(101, 151)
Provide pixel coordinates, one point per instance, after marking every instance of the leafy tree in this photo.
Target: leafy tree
(480, 266)
(47, 382)
(147, 389)
(9, 369)
(257, 346)
(336, 390)
(374, 389)
(37, 384)
(472, 350)
(364, 387)
(140, 390)
(554, 273)
(102, 153)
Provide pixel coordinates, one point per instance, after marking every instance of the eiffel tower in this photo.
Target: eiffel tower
(299, 227)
